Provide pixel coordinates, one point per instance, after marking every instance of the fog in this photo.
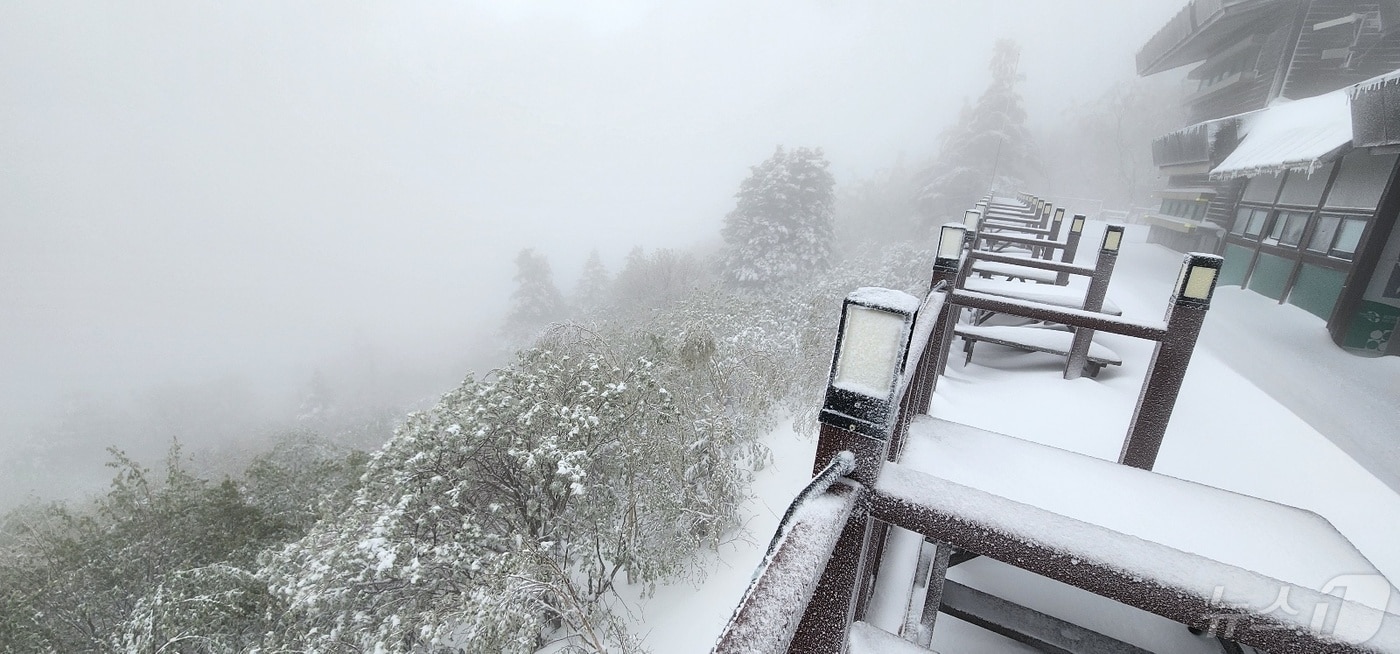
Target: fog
(223, 198)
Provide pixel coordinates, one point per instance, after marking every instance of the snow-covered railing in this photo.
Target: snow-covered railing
(813, 584)
(771, 616)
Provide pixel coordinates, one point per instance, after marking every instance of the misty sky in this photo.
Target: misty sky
(189, 189)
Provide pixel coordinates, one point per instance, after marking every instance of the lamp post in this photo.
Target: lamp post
(1093, 300)
(971, 219)
(861, 406)
(1076, 231)
(1186, 311)
(946, 268)
(1054, 235)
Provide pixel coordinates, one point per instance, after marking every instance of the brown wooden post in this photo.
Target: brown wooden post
(1186, 312)
(1071, 249)
(1093, 300)
(860, 415)
(936, 555)
(946, 269)
(833, 606)
(1054, 235)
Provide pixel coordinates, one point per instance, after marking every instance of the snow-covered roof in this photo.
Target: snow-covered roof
(1290, 135)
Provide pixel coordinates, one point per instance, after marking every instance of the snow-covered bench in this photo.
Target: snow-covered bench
(1016, 271)
(1034, 339)
(1255, 571)
(1051, 294)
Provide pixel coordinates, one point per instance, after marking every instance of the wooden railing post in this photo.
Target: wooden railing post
(1071, 249)
(834, 604)
(1054, 235)
(947, 268)
(1186, 311)
(1093, 300)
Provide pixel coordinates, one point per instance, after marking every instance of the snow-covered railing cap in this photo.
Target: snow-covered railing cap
(872, 344)
(1196, 283)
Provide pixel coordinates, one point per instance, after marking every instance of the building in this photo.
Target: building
(1289, 168)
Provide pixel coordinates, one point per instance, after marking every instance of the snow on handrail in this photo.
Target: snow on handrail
(766, 619)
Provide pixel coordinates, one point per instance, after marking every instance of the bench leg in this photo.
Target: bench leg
(967, 350)
(1093, 369)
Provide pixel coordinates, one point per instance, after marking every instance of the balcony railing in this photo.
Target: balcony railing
(1156, 55)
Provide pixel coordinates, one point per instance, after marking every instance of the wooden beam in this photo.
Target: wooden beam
(1024, 625)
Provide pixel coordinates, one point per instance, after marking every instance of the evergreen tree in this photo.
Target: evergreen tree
(593, 284)
(536, 302)
(988, 149)
(781, 226)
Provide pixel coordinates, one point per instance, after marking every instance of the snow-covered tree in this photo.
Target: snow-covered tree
(536, 301)
(504, 516)
(650, 281)
(156, 564)
(781, 226)
(988, 149)
(593, 284)
(878, 209)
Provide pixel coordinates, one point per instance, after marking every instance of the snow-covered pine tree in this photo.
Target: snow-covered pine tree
(988, 149)
(781, 226)
(593, 284)
(536, 301)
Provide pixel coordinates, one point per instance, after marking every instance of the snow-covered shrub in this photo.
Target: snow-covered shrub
(504, 516)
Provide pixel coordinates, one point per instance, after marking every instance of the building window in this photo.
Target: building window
(1288, 228)
(1249, 222)
(1324, 234)
(1337, 236)
(1362, 180)
(1348, 237)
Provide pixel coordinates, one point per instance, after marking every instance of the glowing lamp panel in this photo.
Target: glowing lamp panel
(1112, 239)
(1198, 282)
(870, 352)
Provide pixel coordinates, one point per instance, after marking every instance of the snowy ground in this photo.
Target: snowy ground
(1226, 431)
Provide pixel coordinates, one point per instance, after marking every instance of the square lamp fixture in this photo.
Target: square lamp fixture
(1076, 225)
(1059, 214)
(1112, 238)
(872, 345)
(970, 219)
(950, 245)
(1196, 283)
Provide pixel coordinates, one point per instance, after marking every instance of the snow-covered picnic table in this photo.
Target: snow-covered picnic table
(1180, 549)
(1034, 339)
(1060, 296)
(1013, 271)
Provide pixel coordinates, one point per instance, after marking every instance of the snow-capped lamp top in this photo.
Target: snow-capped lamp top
(1196, 283)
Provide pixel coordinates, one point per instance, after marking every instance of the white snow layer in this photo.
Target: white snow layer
(1297, 135)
